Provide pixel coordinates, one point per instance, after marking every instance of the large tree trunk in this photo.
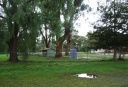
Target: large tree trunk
(12, 50)
(12, 44)
(60, 41)
(59, 49)
(67, 46)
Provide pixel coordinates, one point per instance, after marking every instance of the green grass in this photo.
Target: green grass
(51, 72)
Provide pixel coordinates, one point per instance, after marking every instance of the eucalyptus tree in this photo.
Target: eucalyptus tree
(113, 26)
(58, 17)
(20, 21)
(70, 13)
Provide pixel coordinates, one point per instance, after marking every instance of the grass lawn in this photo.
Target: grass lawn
(42, 72)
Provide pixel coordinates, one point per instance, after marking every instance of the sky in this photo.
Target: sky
(85, 25)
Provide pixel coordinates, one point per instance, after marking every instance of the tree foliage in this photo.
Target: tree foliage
(20, 22)
(111, 31)
(70, 12)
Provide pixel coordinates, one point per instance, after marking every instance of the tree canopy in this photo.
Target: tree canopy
(24, 20)
(20, 23)
(111, 31)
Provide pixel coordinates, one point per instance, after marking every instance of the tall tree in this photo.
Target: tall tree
(70, 12)
(20, 22)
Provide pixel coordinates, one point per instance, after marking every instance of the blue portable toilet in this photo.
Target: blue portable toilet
(73, 53)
